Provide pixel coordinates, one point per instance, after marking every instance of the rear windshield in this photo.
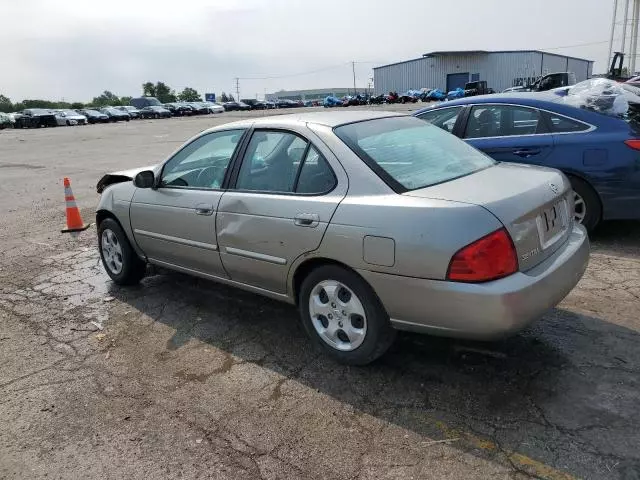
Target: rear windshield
(409, 153)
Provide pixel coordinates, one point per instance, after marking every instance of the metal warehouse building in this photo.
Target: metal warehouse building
(450, 70)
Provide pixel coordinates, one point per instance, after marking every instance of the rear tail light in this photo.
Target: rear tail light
(633, 143)
(489, 258)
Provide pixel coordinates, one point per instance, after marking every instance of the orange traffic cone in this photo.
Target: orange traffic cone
(74, 220)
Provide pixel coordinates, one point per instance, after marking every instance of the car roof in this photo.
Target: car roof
(329, 118)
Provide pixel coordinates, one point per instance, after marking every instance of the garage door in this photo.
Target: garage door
(457, 80)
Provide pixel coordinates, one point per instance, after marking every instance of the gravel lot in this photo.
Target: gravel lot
(190, 379)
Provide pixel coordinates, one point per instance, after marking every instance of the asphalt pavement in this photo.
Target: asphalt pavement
(184, 378)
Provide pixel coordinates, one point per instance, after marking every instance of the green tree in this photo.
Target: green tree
(164, 93)
(5, 104)
(160, 90)
(231, 98)
(77, 105)
(189, 95)
(148, 89)
(224, 98)
(125, 100)
(105, 99)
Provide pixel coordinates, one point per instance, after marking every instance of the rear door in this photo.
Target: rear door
(509, 133)
(285, 192)
(175, 224)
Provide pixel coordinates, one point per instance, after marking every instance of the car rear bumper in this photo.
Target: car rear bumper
(483, 310)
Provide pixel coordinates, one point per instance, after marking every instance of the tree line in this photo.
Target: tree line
(160, 90)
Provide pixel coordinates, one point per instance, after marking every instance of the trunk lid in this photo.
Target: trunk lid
(535, 204)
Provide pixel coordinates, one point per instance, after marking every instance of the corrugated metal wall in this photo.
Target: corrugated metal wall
(501, 70)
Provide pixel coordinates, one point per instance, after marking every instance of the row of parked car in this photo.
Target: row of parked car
(42, 117)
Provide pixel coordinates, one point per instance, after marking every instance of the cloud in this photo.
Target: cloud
(76, 49)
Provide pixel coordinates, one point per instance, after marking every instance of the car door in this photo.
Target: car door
(285, 192)
(509, 133)
(175, 223)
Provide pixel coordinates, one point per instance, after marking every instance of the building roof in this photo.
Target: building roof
(445, 53)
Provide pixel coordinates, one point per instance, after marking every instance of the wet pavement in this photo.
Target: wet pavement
(183, 378)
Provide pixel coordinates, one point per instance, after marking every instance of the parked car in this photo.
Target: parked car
(131, 110)
(70, 117)
(597, 152)
(6, 121)
(286, 103)
(199, 108)
(214, 107)
(331, 101)
(270, 104)
(115, 115)
(142, 102)
(94, 116)
(35, 117)
(255, 104)
(519, 88)
(178, 109)
(367, 221)
(479, 87)
(232, 106)
(155, 111)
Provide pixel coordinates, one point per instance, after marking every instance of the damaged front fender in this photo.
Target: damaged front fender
(120, 177)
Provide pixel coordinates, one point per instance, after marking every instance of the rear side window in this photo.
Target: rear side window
(316, 176)
(408, 153)
(561, 124)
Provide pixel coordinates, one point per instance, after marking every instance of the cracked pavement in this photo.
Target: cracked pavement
(184, 378)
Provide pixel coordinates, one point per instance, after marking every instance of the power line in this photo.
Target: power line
(269, 77)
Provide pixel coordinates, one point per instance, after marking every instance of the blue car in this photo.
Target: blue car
(600, 154)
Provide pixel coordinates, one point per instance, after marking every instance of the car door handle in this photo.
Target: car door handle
(526, 152)
(307, 220)
(204, 209)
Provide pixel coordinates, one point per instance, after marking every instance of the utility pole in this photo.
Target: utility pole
(237, 89)
(353, 68)
(613, 28)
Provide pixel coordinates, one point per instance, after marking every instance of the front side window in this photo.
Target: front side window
(445, 118)
(203, 163)
(409, 153)
(502, 121)
(271, 162)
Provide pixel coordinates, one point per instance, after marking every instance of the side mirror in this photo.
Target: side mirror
(144, 179)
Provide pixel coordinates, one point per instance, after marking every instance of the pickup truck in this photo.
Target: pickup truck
(479, 87)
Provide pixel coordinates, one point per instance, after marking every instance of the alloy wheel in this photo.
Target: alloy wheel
(111, 251)
(337, 315)
(580, 208)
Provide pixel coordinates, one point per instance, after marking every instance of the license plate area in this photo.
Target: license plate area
(552, 223)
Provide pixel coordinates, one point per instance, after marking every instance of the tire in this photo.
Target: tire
(362, 314)
(118, 257)
(588, 209)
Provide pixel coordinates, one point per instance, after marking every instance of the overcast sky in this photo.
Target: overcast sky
(75, 49)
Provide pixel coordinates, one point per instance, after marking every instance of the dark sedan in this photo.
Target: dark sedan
(285, 103)
(115, 115)
(178, 109)
(255, 104)
(131, 110)
(155, 111)
(36, 117)
(231, 106)
(94, 116)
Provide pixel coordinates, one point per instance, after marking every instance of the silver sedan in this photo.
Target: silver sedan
(368, 222)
